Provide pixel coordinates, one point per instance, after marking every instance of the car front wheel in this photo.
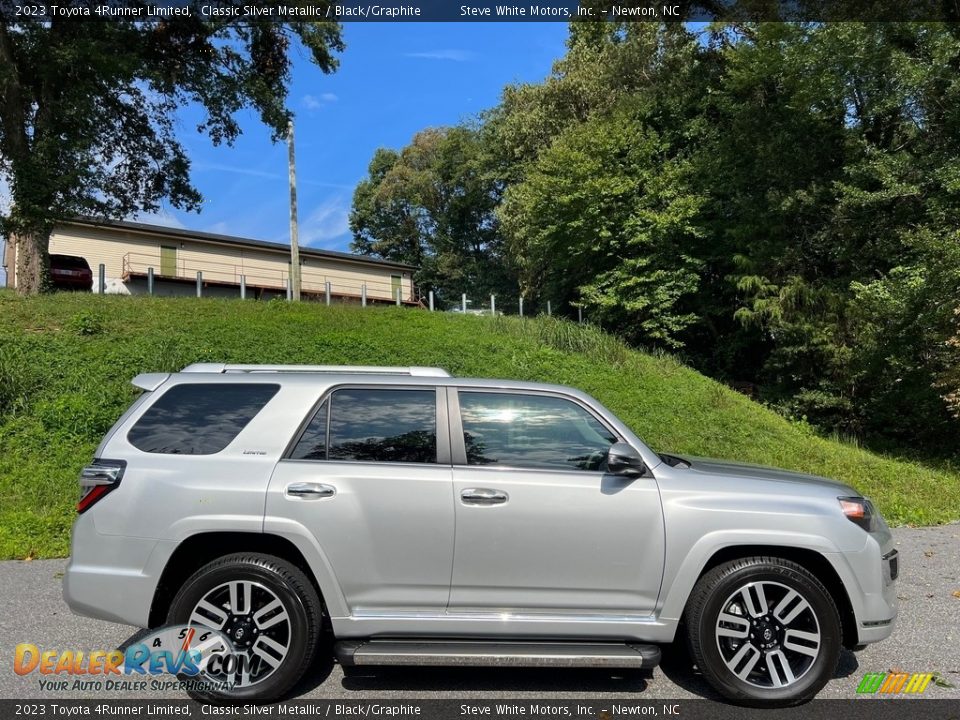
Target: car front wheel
(763, 631)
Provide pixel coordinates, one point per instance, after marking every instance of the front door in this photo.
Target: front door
(541, 528)
(370, 478)
(396, 283)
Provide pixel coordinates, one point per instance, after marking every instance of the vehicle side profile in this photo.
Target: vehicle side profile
(403, 516)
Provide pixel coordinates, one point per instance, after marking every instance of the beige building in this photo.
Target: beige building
(131, 252)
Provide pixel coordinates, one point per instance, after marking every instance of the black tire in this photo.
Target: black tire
(298, 598)
(713, 594)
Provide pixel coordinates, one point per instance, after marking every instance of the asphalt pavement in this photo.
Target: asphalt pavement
(926, 639)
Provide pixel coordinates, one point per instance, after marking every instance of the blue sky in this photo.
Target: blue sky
(393, 80)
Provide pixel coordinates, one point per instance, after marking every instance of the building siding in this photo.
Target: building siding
(127, 255)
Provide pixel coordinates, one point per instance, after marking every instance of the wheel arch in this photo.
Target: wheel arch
(809, 559)
(197, 550)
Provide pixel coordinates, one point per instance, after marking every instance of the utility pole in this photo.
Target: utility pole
(294, 232)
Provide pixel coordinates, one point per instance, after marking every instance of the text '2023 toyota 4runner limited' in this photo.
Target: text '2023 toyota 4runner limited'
(403, 516)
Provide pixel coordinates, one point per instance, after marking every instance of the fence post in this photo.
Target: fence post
(326, 288)
(431, 301)
(521, 306)
(363, 295)
(243, 287)
(199, 283)
(289, 288)
(493, 305)
(463, 303)
(579, 314)
(149, 281)
(549, 310)
(103, 277)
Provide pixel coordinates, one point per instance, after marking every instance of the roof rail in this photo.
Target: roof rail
(335, 369)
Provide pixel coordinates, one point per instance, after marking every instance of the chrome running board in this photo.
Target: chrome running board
(502, 653)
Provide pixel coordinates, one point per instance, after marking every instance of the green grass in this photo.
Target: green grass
(66, 362)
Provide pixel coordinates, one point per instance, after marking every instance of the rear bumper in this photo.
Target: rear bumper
(113, 577)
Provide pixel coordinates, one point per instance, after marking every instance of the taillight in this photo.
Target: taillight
(98, 479)
(858, 511)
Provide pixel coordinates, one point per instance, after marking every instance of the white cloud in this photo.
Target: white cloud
(326, 222)
(449, 54)
(315, 102)
(218, 228)
(239, 170)
(163, 218)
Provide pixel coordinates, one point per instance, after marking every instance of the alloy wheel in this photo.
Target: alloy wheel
(768, 634)
(255, 621)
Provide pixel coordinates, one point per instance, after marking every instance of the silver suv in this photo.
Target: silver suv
(402, 516)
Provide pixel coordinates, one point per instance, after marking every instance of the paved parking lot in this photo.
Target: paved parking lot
(926, 639)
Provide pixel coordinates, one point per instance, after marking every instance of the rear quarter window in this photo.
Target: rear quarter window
(199, 419)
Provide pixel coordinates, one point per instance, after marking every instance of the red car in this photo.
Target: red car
(69, 272)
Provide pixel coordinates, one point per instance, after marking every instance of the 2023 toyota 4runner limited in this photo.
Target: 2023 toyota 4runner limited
(403, 516)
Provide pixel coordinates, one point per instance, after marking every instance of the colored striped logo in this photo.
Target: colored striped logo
(892, 683)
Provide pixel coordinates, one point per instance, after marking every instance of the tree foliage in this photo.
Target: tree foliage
(778, 202)
(87, 124)
(432, 205)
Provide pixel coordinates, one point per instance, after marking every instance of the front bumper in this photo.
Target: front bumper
(869, 576)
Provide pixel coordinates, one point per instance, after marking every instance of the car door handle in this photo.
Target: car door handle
(311, 490)
(483, 496)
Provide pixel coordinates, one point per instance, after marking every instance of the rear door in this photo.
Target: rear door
(541, 528)
(370, 476)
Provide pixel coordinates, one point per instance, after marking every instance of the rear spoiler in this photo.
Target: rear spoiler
(149, 381)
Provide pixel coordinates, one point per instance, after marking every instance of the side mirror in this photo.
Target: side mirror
(624, 460)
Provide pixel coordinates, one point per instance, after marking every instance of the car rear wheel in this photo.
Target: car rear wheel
(270, 613)
(763, 631)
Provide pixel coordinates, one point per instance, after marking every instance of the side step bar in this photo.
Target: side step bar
(485, 653)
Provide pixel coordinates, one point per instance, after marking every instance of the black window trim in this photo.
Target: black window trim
(443, 436)
(145, 407)
(459, 447)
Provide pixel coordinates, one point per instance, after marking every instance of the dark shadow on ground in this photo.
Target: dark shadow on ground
(678, 667)
(496, 679)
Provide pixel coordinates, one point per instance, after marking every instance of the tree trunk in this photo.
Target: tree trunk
(33, 261)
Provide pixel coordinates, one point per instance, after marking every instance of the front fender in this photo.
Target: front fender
(679, 584)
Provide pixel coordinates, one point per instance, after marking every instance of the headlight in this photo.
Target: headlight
(858, 510)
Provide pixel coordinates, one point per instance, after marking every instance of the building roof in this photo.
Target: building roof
(234, 241)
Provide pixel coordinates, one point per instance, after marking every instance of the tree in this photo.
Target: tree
(432, 205)
(833, 162)
(599, 209)
(87, 112)
(603, 218)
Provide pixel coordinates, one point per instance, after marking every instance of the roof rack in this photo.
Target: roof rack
(334, 369)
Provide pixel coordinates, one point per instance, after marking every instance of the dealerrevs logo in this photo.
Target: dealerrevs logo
(894, 683)
(187, 652)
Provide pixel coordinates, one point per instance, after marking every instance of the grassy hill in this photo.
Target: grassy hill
(66, 362)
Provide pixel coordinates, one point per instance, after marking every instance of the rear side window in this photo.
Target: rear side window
(373, 425)
(71, 262)
(199, 419)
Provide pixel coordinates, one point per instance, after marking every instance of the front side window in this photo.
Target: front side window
(199, 419)
(532, 431)
(373, 425)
